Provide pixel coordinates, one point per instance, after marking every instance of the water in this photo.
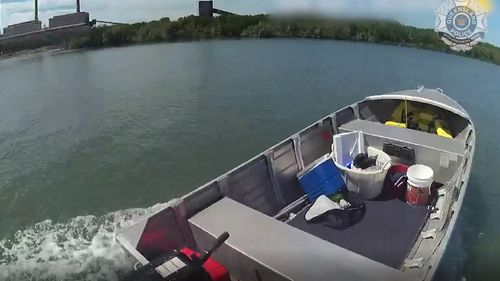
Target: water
(90, 140)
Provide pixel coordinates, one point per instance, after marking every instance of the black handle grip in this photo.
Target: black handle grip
(218, 242)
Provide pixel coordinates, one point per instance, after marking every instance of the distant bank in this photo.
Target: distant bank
(265, 26)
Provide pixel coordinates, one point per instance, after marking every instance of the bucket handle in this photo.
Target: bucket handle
(402, 180)
(383, 167)
(351, 152)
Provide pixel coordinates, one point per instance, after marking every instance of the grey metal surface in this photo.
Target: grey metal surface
(251, 185)
(316, 141)
(281, 248)
(344, 115)
(378, 110)
(268, 182)
(424, 95)
(199, 199)
(405, 135)
(128, 239)
(241, 266)
(441, 154)
(285, 168)
(434, 256)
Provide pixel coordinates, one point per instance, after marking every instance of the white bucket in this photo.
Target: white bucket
(368, 183)
(420, 179)
(420, 175)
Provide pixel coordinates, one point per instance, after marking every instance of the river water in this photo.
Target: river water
(93, 140)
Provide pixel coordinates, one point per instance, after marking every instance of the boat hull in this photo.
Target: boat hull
(264, 193)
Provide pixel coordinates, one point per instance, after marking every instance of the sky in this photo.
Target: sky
(420, 13)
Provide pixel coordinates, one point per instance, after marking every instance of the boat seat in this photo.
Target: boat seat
(409, 136)
(443, 155)
(262, 248)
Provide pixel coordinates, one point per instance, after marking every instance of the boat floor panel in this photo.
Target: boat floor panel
(262, 248)
(386, 233)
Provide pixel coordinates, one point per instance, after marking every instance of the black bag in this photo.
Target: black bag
(342, 219)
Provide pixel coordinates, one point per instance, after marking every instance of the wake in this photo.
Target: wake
(82, 249)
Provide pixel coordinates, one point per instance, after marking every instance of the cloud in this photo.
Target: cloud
(391, 9)
(138, 10)
(14, 11)
(12, 1)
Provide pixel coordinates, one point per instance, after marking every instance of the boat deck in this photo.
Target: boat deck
(263, 248)
(386, 233)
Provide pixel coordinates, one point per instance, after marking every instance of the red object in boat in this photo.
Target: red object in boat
(417, 196)
(327, 136)
(216, 270)
(396, 185)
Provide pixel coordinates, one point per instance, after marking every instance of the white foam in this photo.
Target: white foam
(82, 249)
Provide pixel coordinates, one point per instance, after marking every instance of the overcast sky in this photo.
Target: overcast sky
(420, 13)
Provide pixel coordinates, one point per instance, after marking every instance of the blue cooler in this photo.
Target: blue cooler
(320, 177)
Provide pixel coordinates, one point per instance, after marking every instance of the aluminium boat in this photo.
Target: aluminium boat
(261, 204)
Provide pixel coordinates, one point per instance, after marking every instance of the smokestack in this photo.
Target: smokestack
(77, 6)
(36, 9)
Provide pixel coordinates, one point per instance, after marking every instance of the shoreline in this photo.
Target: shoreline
(30, 53)
(393, 44)
(236, 27)
(57, 50)
(48, 50)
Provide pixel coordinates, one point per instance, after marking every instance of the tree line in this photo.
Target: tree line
(265, 26)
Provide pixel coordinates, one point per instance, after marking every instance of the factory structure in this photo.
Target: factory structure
(30, 34)
(206, 9)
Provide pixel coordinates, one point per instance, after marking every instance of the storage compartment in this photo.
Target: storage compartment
(381, 111)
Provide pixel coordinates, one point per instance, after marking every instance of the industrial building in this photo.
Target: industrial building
(24, 27)
(30, 34)
(62, 28)
(77, 18)
(206, 9)
(69, 19)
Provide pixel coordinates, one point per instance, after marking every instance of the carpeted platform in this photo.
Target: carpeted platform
(386, 233)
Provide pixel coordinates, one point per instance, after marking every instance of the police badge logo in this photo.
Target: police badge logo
(461, 24)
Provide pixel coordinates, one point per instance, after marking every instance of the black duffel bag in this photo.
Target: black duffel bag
(342, 219)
